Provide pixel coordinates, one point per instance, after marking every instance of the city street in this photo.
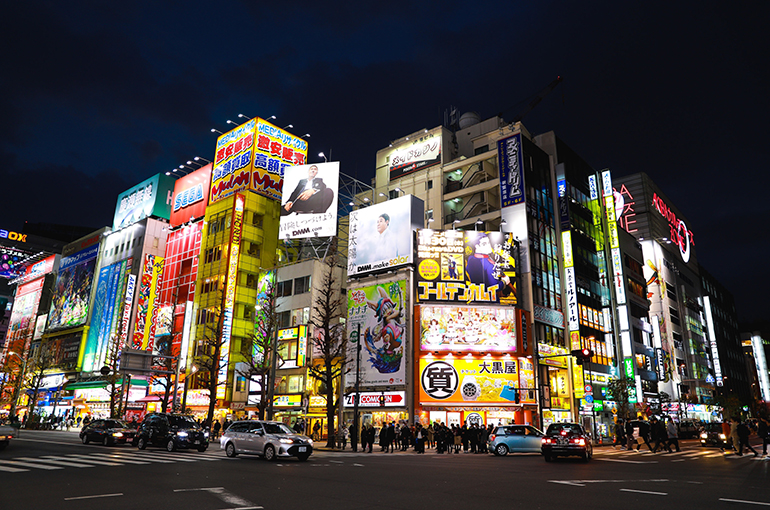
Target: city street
(54, 469)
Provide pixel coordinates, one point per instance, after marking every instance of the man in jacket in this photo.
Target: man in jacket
(310, 196)
(762, 432)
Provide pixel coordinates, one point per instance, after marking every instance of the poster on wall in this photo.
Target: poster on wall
(458, 328)
(378, 312)
(466, 267)
(481, 381)
(24, 312)
(380, 235)
(309, 202)
(146, 308)
(69, 306)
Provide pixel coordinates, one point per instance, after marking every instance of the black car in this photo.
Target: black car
(107, 432)
(712, 435)
(172, 431)
(565, 439)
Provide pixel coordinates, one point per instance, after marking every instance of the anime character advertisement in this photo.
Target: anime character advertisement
(378, 310)
(459, 328)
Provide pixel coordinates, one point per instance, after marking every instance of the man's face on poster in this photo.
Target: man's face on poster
(382, 224)
(312, 172)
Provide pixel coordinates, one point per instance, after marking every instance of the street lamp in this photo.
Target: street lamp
(322, 155)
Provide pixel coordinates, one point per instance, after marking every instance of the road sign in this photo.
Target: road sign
(589, 388)
(614, 410)
(589, 398)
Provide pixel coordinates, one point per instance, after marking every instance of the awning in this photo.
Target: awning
(82, 385)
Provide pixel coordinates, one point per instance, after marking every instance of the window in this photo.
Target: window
(300, 316)
(240, 383)
(248, 312)
(302, 285)
(213, 254)
(254, 250)
(257, 221)
(284, 288)
(392, 194)
(429, 184)
(284, 319)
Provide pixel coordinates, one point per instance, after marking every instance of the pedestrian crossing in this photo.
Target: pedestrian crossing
(104, 459)
(683, 455)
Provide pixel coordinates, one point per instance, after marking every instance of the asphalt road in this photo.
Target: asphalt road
(53, 469)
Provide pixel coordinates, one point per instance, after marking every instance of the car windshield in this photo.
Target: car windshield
(277, 428)
(115, 424)
(714, 427)
(182, 421)
(569, 428)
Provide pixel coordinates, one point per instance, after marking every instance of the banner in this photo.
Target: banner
(466, 267)
(477, 381)
(146, 307)
(450, 328)
(309, 203)
(419, 154)
(151, 197)
(276, 150)
(72, 293)
(377, 311)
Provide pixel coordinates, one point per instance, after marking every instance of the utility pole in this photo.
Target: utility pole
(354, 440)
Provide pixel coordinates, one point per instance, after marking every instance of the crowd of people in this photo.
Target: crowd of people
(402, 436)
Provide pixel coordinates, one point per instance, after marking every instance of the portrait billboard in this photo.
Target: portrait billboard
(70, 303)
(309, 202)
(381, 235)
(232, 161)
(460, 328)
(274, 152)
(151, 197)
(190, 196)
(377, 312)
(418, 154)
(466, 267)
(476, 381)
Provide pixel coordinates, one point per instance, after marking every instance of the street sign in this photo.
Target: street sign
(614, 410)
(589, 388)
(589, 398)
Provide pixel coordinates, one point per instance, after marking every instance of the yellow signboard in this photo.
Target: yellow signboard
(469, 380)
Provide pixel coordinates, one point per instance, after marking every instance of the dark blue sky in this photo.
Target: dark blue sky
(95, 97)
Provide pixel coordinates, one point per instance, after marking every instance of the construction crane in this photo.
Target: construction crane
(530, 103)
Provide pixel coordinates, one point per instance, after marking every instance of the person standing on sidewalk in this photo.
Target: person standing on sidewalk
(763, 433)
(420, 435)
(672, 433)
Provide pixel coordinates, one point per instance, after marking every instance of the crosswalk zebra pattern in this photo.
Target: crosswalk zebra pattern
(706, 453)
(103, 459)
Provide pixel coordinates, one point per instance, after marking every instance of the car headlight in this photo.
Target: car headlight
(287, 441)
(206, 434)
(117, 434)
(309, 441)
(722, 437)
(181, 433)
(704, 436)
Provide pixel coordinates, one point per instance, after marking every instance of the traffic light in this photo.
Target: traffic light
(582, 355)
(382, 400)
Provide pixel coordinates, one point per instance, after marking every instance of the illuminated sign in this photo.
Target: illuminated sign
(191, 196)
(188, 197)
(284, 401)
(127, 305)
(511, 169)
(679, 234)
(146, 308)
(628, 368)
(381, 235)
(229, 298)
(713, 341)
(309, 203)
(72, 292)
(445, 328)
(39, 269)
(298, 334)
(377, 399)
(592, 187)
(275, 151)
(419, 154)
(151, 197)
(466, 266)
(232, 161)
(559, 354)
(13, 236)
(472, 381)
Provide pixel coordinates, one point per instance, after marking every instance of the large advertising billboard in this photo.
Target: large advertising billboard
(69, 306)
(190, 196)
(475, 381)
(13, 261)
(513, 211)
(146, 306)
(232, 161)
(377, 312)
(466, 267)
(24, 312)
(151, 197)
(309, 203)
(476, 329)
(419, 154)
(381, 235)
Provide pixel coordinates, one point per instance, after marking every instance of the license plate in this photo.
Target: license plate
(562, 441)
(302, 448)
(198, 441)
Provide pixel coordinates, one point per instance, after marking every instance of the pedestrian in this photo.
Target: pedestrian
(672, 433)
(420, 435)
(431, 437)
(343, 436)
(743, 438)
(630, 439)
(763, 431)
(217, 427)
(353, 437)
(392, 436)
(620, 434)
(458, 438)
(438, 434)
(644, 435)
(370, 437)
(659, 435)
(317, 430)
(734, 439)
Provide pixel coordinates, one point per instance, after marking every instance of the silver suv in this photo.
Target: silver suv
(270, 439)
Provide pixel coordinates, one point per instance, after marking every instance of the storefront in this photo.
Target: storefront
(377, 408)
(92, 398)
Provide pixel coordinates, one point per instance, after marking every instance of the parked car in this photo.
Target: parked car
(6, 433)
(565, 439)
(712, 435)
(107, 432)
(270, 439)
(515, 439)
(172, 431)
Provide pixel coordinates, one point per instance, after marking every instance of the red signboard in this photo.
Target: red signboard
(190, 196)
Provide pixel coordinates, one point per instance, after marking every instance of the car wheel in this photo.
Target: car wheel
(141, 443)
(171, 445)
(107, 441)
(303, 457)
(84, 438)
(269, 452)
(584, 456)
(501, 450)
(202, 448)
(547, 458)
(230, 450)
(3, 444)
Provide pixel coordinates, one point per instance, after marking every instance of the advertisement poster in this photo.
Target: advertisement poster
(232, 161)
(146, 307)
(466, 267)
(380, 235)
(148, 198)
(482, 381)
(511, 166)
(378, 310)
(309, 202)
(420, 154)
(457, 328)
(105, 316)
(276, 150)
(69, 306)
(190, 196)
(527, 381)
(24, 312)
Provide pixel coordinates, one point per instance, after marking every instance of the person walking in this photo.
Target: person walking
(743, 439)
(659, 435)
(620, 434)
(217, 427)
(353, 437)
(734, 439)
(630, 440)
(672, 433)
(763, 431)
(644, 435)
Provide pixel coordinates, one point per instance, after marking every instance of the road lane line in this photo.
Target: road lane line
(745, 501)
(95, 496)
(200, 489)
(30, 464)
(645, 492)
(629, 461)
(108, 457)
(9, 469)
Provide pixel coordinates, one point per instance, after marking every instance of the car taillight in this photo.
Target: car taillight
(492, 437)
(547, 440)
(579, 441)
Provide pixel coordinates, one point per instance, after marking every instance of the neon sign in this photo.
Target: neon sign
(679, 233)
(229, 298)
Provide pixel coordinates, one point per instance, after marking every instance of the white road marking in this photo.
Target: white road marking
(111, 456)
(95, 496)
(358, 465)
(11, 469)
(629, 461)
(30, 464)
(200, 489)
(74, 458)
(645, 492)
(744, 501)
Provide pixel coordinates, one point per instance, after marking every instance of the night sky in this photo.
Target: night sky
(97, 96)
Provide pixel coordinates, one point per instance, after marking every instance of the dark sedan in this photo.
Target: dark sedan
(107, 432)
(712, 435)
(565, 439)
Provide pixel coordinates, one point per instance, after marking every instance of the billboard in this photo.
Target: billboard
(232, 161)
(146, 307)
(475, 381)
(24, 311)
(422, 153)
(377, 311)
(458, 328)
(69, 306)
(148, 198)
(13, 261)
(309, 203)
(511, 168)
(190, 196)
(381, 236)
(275, 151)
(466, 267)
(39, 269)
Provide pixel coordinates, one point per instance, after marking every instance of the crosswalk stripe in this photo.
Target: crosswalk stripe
(32, 465)
(53, 460)
(168, 458)
(89, 459)
(11, 469)
(119, 458)
(151, 458)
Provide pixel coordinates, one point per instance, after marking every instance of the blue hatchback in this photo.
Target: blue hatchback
(515, 439)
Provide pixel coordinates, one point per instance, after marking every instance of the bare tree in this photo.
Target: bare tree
(41, 361)
(166, 366)
(618, 390)
(328, 308)
(258, 362)
(209, 359)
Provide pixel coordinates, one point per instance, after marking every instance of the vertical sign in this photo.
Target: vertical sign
(612, 228)
(570, 287)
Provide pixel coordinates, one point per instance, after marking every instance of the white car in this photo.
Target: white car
(270, 439)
